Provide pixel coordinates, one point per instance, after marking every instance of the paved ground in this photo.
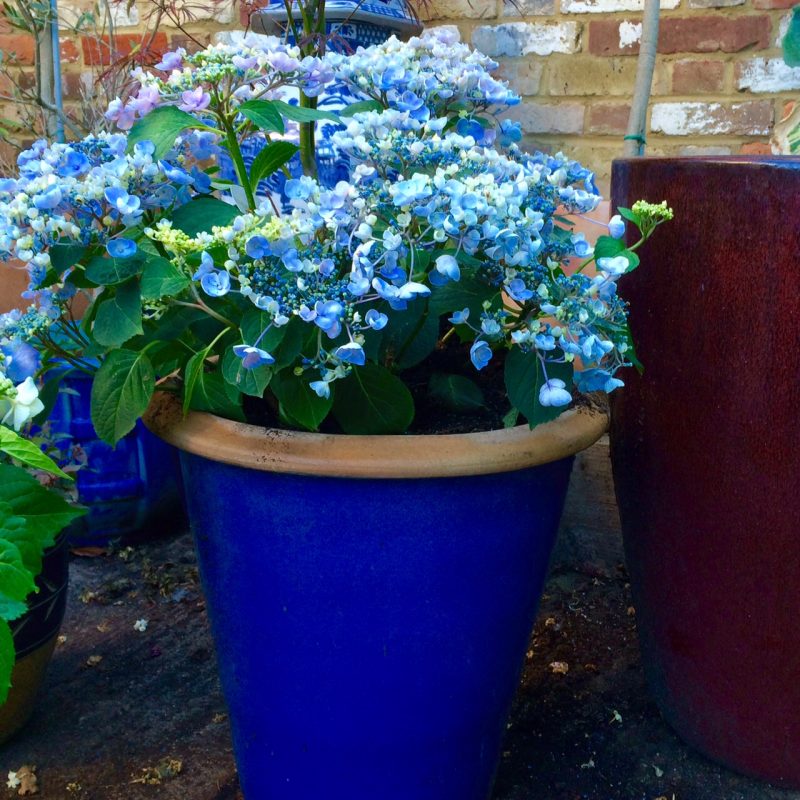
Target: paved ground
(131, 715)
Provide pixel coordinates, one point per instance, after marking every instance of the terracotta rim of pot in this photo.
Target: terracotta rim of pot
(397, 456)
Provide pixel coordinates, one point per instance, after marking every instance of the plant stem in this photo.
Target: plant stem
(308, 156)
(238, 162)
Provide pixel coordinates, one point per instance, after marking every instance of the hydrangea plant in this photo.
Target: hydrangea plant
(445, 235)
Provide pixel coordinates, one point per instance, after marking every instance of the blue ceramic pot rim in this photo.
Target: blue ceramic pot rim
(403, 456)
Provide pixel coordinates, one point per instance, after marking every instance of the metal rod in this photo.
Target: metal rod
(58, 96)
(637, 122)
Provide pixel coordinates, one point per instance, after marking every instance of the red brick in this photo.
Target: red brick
(247, 7)
(73, 85)
(69, 51)
(609, 118)
(698, 77)
(769, 4)
(146, 49)
(756, 149)
(688, 35)
(18, 48)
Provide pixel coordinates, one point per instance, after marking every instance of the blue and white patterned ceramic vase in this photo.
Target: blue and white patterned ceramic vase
(349, 23)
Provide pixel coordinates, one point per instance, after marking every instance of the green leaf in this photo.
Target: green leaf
(64, 256)
(16, 582)
(110, 271)
(121, 392)
(791, 42)
(15, 530)
(214, 395)
(410, 336)
(270, 159)
(263, 114)
(191, 374)
(470, 292)
(120, 317)
(511, 419)
(254, 323)
(26, 452)
(161, 278)
(608, 247)
(361, 105)
(249, 381)
(299, 401)
(203, 213)
(633, 259)
(48, 394)
(7, 659)
(292, 343)
(195, 367)
(373, 401)
(46, 513)
(626, 213)
(456, 392)
(162, 126)
(300, 114)
(524, 377)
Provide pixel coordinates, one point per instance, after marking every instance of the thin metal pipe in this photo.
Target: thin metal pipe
(634, 140)
(58, 97)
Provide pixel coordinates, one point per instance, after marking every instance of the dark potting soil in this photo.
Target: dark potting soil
(131, 714)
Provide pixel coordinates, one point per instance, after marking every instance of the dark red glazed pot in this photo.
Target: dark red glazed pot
(706, 454)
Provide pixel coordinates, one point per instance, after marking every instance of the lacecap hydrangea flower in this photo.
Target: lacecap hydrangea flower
(441, 228)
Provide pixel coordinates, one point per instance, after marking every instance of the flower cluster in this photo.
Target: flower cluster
(81, 194)
(430, 76)
(423, 207)
(230, 73)
(444, 229)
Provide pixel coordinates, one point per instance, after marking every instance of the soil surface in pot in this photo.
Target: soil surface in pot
(133, 714)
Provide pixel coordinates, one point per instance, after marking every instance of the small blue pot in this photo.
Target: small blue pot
(132, 485)
(371, 598)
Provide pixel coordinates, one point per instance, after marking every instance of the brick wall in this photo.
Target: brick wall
(719, 84)
(718, 87)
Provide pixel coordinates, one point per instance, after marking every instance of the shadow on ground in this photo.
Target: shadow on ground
(130, 715)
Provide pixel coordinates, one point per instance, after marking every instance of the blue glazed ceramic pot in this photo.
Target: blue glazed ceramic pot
(371, 598)
(126, 487)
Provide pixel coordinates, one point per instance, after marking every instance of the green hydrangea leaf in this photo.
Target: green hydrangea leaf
(120, 317)
(45, 512)
(202, 214)
(162, 126)
(7, 659)
(121, 392)
(524, 377)
(298, 401)
(373, 401)
(161, 278)
(455, 392)
(16, 582)
(252, 382)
